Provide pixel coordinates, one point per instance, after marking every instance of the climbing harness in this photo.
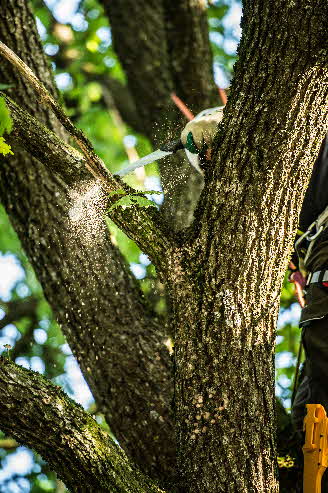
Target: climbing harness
(315, 448)
(318, 276)
(305, 243)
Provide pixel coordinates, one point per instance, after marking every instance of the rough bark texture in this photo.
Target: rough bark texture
(40, 415)
(232, 267)
(48, 240)
(116, 339)
(164, 47)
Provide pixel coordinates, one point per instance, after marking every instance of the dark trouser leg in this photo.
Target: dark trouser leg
(315, 339)
(314, 386)
(303, 397)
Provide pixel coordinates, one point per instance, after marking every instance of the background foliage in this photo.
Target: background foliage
(77, 38)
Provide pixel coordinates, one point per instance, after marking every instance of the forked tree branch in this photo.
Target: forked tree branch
(40, 415)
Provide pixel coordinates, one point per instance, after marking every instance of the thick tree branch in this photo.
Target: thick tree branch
(149, 235)
(94, 164)
(190, 53)
(139, 40)
(147, 229)
(38, 414)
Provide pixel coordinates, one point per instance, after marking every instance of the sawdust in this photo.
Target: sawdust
(87, 210)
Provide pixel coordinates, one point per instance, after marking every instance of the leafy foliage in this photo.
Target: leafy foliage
(4, 147)
(131, 201)
(134, 199)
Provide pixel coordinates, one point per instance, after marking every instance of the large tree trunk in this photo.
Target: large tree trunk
(106, 320)
(227, 278)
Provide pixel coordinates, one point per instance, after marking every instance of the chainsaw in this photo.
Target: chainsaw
(165, 150)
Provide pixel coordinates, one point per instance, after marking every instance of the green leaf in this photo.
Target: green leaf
(5, 119)
(4, 147)
(122, 192)
(132, 200)
(117, 192)
(152, 192)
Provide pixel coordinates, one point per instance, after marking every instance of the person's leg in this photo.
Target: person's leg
(302, 397)
(315, 340)
(313, 388)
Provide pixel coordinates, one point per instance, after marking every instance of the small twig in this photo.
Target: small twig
(94, 164)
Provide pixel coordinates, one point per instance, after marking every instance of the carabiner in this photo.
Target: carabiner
(313, 237)
(304, 235)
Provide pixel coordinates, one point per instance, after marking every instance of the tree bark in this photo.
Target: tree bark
(114, 336)
(226, 299)
(39, 414)
(60, 158)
